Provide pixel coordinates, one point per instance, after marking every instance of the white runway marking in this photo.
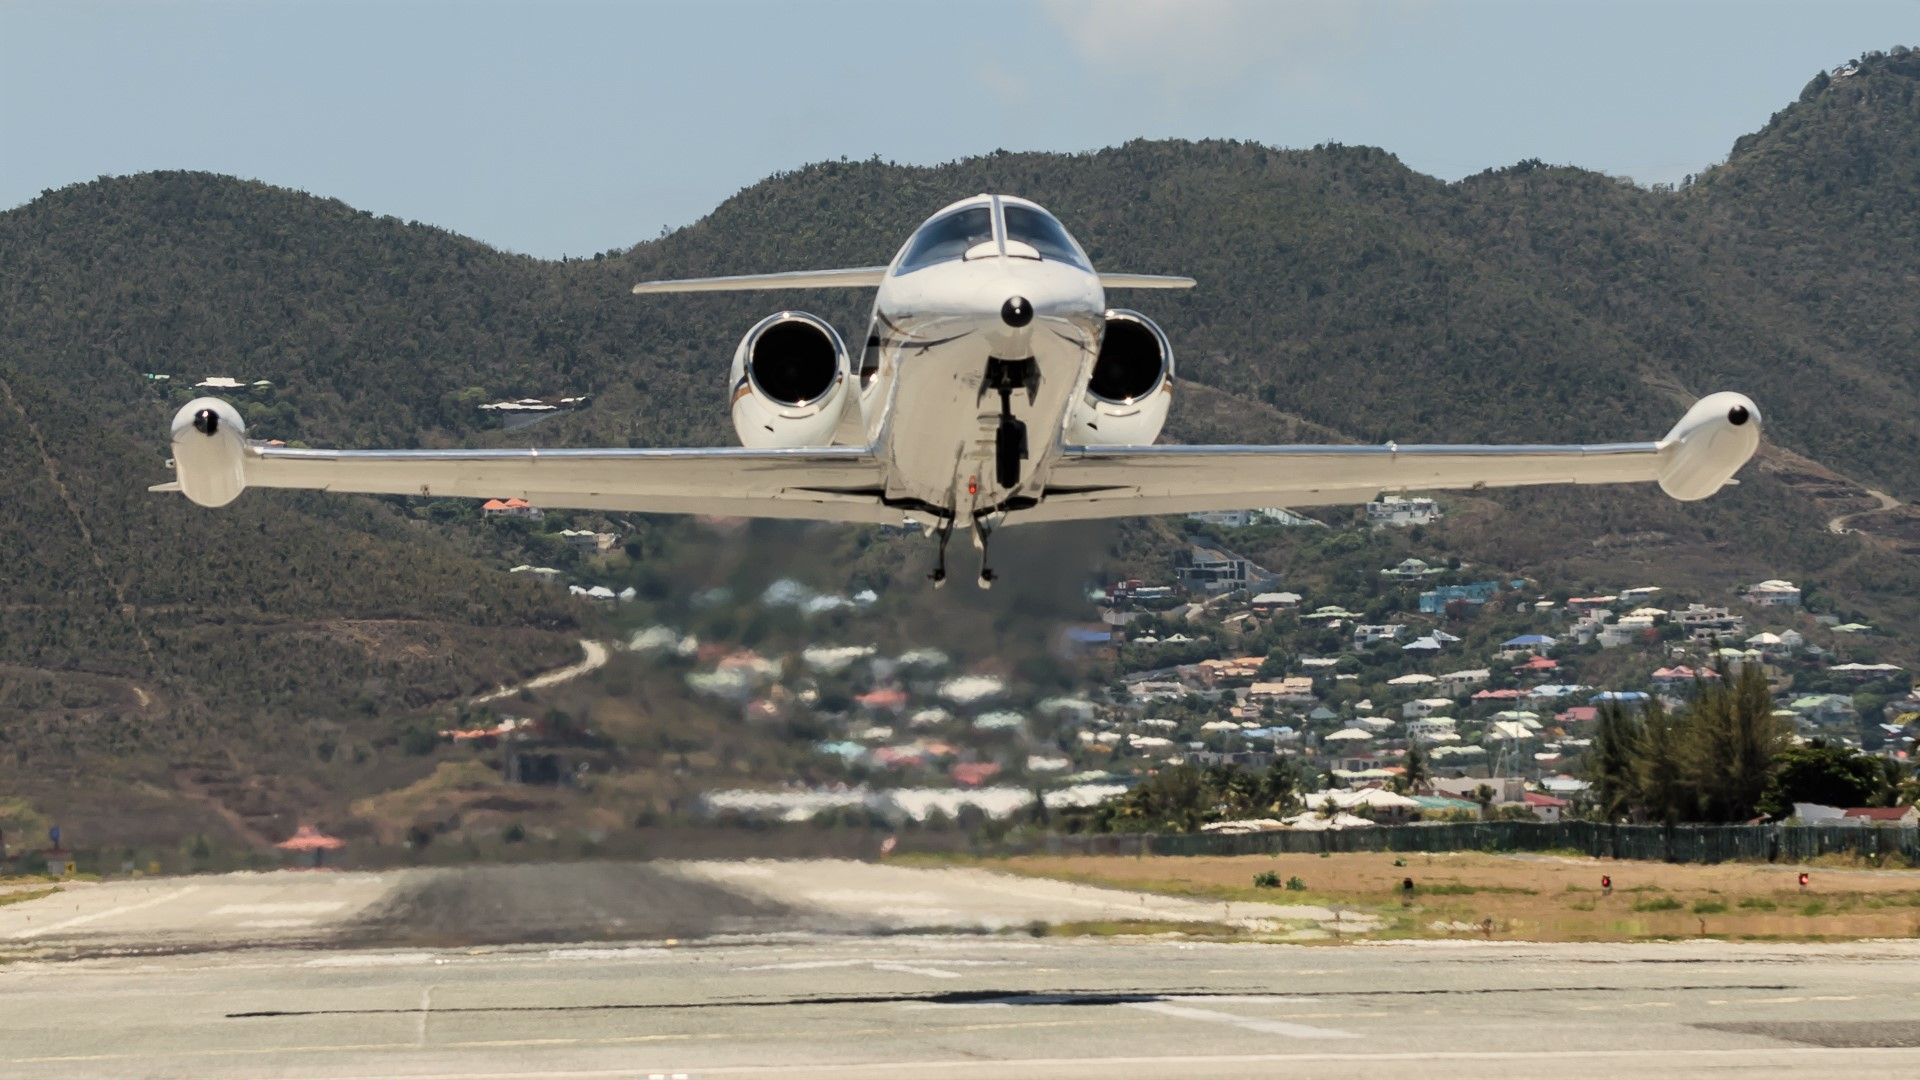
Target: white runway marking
(426, 1008)
(82, 920)
(290, 907)
(909, 969)
(373, 960)
(1251, 1023)
(273, 924)
(1237, 999)
(803, 965)
(877, 965)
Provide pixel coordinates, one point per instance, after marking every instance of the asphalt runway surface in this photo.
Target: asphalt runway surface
(816, 970)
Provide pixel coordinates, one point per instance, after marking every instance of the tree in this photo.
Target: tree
(1484, 796)
(1279, 789)
(1735, 739)
(1239, 790)
(1417, 773)
(1613, 766)
(1663, 789)
(1174, 799)
(1819, 773)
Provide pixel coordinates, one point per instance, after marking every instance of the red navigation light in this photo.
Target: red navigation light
(973, 485)
(1804, 878)
(1606, 881)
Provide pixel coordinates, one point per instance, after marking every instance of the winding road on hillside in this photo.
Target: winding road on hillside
(1838, 525)
(596, 658)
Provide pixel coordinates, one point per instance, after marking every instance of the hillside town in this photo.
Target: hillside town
(1485, 686)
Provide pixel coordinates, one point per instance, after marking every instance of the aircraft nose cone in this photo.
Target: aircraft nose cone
(1016, 312)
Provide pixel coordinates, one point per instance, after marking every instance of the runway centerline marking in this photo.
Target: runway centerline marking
(1251, 1023)
(910, 969)
(82, 920)
(897, 966)
(426, 1009)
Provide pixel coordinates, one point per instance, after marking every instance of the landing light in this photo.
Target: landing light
(1016, 312)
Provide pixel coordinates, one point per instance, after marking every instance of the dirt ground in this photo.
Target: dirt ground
(1532, 897)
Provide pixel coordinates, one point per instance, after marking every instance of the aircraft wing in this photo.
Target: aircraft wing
(828, 484)
(1698, 457)
(858, 277)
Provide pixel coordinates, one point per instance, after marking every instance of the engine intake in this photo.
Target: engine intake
(1131, 385)
(789, 380)
(1133, 359)
(794, 362)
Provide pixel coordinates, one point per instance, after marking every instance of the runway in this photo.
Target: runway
(881, 1002)
(587, 901)
(943, 1006)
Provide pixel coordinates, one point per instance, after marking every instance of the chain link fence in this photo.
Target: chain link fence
(1680, 843)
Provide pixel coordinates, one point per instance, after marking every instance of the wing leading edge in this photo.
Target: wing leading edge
(214, 463)
(857, 277)
(1698, 457)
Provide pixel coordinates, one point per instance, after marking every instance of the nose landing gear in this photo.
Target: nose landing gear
(1010, 437)
(1009, 448)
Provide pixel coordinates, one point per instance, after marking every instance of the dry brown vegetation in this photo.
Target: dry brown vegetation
(1534, 898)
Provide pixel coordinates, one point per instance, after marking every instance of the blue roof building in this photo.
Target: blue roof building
(1435, 600)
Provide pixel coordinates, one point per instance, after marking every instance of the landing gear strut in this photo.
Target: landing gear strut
(982, 534)
(939, 575)
(1010, 437)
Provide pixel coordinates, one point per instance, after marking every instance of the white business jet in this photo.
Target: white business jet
(994, 385)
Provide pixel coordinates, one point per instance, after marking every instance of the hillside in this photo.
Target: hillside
(1343, 296)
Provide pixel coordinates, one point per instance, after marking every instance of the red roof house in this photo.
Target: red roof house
(1544, 807)
(1884, 815)
(973, 773)
(889, 697)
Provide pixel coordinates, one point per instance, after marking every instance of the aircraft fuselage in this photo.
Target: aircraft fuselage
(940, 337)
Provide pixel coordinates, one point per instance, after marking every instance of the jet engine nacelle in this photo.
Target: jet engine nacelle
(209, 451)
(1125, 402)
(1709, 445)
(790, 378)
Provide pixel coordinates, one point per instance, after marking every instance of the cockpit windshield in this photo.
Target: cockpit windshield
(948, 238)
(1038, 230)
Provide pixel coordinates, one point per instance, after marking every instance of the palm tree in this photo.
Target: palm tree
(1279, 792)
(1416, 775)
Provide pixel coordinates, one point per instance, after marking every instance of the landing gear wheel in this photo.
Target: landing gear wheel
(986, 578)
(1009, 448)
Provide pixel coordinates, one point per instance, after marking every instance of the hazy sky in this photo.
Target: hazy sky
(566, 126)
